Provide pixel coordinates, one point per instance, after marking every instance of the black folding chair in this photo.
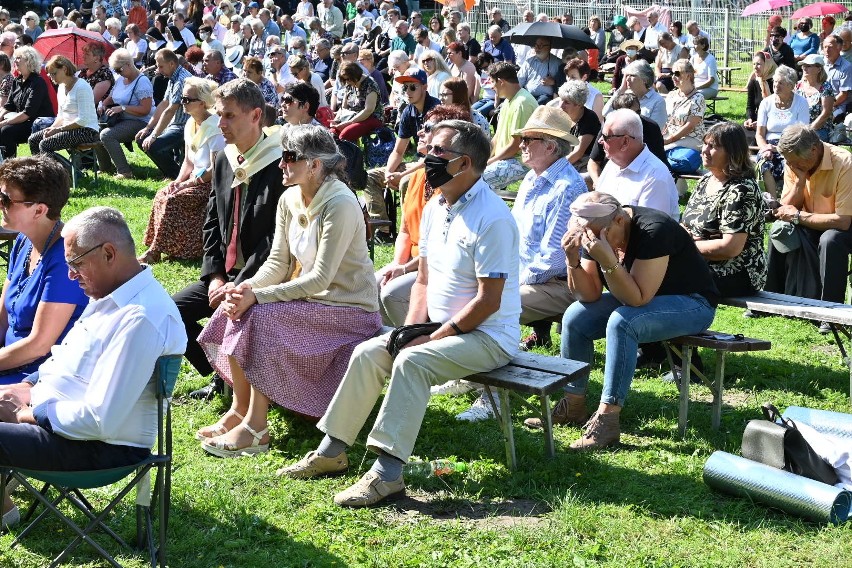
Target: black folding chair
(59, 486)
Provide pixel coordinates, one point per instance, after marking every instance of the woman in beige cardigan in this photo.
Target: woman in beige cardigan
(286, 337)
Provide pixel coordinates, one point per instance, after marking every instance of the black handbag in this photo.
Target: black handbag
(777, 442)
(402, 336)
(110, 120)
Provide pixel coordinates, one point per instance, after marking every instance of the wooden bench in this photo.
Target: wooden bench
(7, 237)
(506, 195)
(530, 374)
(722, 344)
(838, 316)
(711, 103)
(725, 75)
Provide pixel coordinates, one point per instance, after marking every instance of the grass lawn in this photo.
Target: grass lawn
(642, 504)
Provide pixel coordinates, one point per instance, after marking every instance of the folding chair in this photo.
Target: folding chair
(69, 486)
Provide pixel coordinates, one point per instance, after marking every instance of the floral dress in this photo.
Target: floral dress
(680, 109)
(815, 105)
(356, 97)
(737, 208)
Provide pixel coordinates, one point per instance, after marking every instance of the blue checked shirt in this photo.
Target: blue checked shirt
(174, 91)
(542, 214)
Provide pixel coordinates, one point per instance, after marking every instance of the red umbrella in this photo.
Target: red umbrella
(69, 42)
(820, 9)
(765, 6)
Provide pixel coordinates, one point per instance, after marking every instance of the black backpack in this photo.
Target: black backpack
(354, 164)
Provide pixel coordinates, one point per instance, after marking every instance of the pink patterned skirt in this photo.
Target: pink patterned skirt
(293, 352)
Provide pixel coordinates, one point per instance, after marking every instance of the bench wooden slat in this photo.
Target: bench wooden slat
(558, 365)
(731, 346)
(519, 379)
(794, 306)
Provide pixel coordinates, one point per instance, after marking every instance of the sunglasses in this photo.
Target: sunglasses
(74, 263)
(289, 99)
(429, 60)
(6, 201)
(427, 127)
(677, 73)
(290, 157)
(527, 139)
(187, 100)
(440, 150)
(411, 87)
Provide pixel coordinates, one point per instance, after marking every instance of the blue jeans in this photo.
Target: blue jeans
(625, 327)
(165, 148)
(484, 106)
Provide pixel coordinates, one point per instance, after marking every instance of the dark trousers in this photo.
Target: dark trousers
(14, 134)
(32, 447)
(193, 306)
(166, 149)
(824, 255)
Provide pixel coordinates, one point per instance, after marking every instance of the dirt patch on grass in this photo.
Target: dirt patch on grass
(486, 514)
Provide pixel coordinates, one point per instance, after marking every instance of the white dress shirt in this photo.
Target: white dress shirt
(646, 182)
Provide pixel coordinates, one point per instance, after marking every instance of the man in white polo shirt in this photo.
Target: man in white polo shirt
(468, 281)
(634, 175)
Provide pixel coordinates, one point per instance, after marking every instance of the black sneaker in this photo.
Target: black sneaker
(216, 386)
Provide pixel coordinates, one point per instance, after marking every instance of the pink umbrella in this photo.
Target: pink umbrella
(69, 42)
(765, 6)
(820, 9)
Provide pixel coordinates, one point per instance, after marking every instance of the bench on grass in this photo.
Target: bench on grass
(529, 374)
(722, 344)
(711, 103)
(506, 195)
(837, 316)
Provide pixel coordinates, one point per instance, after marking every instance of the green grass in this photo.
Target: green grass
(642, 504)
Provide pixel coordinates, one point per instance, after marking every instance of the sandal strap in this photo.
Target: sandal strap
(257, 435)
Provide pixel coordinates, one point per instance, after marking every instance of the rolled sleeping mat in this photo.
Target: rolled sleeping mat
(826, 422)
(780, 489)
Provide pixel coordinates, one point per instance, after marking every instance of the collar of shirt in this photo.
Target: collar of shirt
(125, 293)
(639, 161)
(464, 199)
(254, 148)
(179, 73)
(555, 172)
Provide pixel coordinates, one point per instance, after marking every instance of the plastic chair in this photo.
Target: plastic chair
(69, 486)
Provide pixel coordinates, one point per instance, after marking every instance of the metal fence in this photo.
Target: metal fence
(734, 39)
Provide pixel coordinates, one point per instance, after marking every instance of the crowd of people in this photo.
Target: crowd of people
(249, 112)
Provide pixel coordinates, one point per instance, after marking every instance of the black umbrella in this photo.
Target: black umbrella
(560, 35)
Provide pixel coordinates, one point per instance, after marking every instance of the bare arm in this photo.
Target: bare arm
(726, 248)
(508, 152)
(580, 150)
(50, 320)
(825, 115)
(684, 130)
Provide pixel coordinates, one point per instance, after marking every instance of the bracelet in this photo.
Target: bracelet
(575, 267)
(612, 268)
(403, 270)
(456, 328)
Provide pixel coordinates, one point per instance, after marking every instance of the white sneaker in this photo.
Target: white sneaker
(457, 386)
(480, 409)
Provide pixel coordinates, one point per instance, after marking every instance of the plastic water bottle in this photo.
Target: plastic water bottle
(434, 467)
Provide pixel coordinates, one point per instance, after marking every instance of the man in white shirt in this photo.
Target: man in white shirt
(692, 33)
(185, 32)
(291, 30)
(219, 30)
(653, 31)
(92, 404)
(331, 17)
(633, 174)
(467, 280)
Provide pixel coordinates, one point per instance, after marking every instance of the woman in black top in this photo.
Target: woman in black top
(28, 101)
(658, 287)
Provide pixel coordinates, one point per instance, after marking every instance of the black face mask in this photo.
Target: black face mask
(436, 170)
(804, 27)
(360, 10)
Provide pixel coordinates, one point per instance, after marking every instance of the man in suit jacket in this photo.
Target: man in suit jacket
(246, 180)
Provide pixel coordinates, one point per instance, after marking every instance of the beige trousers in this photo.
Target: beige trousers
(543, 301)
(411, 374)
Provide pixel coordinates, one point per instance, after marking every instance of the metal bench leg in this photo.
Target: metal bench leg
(547, 426)
(718, 385)
(685, 377)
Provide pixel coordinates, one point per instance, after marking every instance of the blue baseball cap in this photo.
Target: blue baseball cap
(413, 75)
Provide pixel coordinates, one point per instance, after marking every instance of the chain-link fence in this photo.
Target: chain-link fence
(734, 39)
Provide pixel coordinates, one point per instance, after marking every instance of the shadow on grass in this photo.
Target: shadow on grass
(194, 539)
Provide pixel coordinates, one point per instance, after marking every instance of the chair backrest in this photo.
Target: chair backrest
(166, 371)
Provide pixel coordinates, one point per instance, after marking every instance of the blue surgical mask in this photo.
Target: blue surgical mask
(631, 52)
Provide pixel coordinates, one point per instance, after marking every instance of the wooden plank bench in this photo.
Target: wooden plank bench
(838, 316)
(506, 195)
(711, 103)
(529, 374)
(722, 344)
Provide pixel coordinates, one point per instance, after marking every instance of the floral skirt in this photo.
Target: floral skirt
(293, 352)
(176, 222)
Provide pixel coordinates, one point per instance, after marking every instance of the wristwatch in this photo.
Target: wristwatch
(796, 219)
(123, 108)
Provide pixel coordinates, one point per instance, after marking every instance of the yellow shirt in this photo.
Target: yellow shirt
(829, 189)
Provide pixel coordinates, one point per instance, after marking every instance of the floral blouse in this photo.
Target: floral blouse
(103, 73)
(815, 98)
(680, 109)
(6, 85)
(356, 97)
(737, 208)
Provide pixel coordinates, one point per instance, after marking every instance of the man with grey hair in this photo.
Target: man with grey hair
(213, 64)
(269, 24)
(91, 403)
(219, 30)
(845, 34)
(839, 73)
(291, 30)
(817, 199)
(638, 78)
(331, 17)
(240, 213)
(633, 174)
(465, 37)
(498, 46)
(653, 32)
(471, 294)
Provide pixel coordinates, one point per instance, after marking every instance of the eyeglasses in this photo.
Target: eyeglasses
(6, 201)
(608, 137)
(290, 157)
(118, 69)
(676, 73)
(527, 139)
(289, 99)
(74, 263)
(445, 95)
(440, 151)
(410, 87)
(186, 100)
(427, 127)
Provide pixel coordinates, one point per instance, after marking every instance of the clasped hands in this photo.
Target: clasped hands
(13, 410)
(234, 300)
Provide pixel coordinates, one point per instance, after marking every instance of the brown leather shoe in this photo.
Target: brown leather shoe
(315, 465)
(571, 409)
(601, 431)
(370, 490)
